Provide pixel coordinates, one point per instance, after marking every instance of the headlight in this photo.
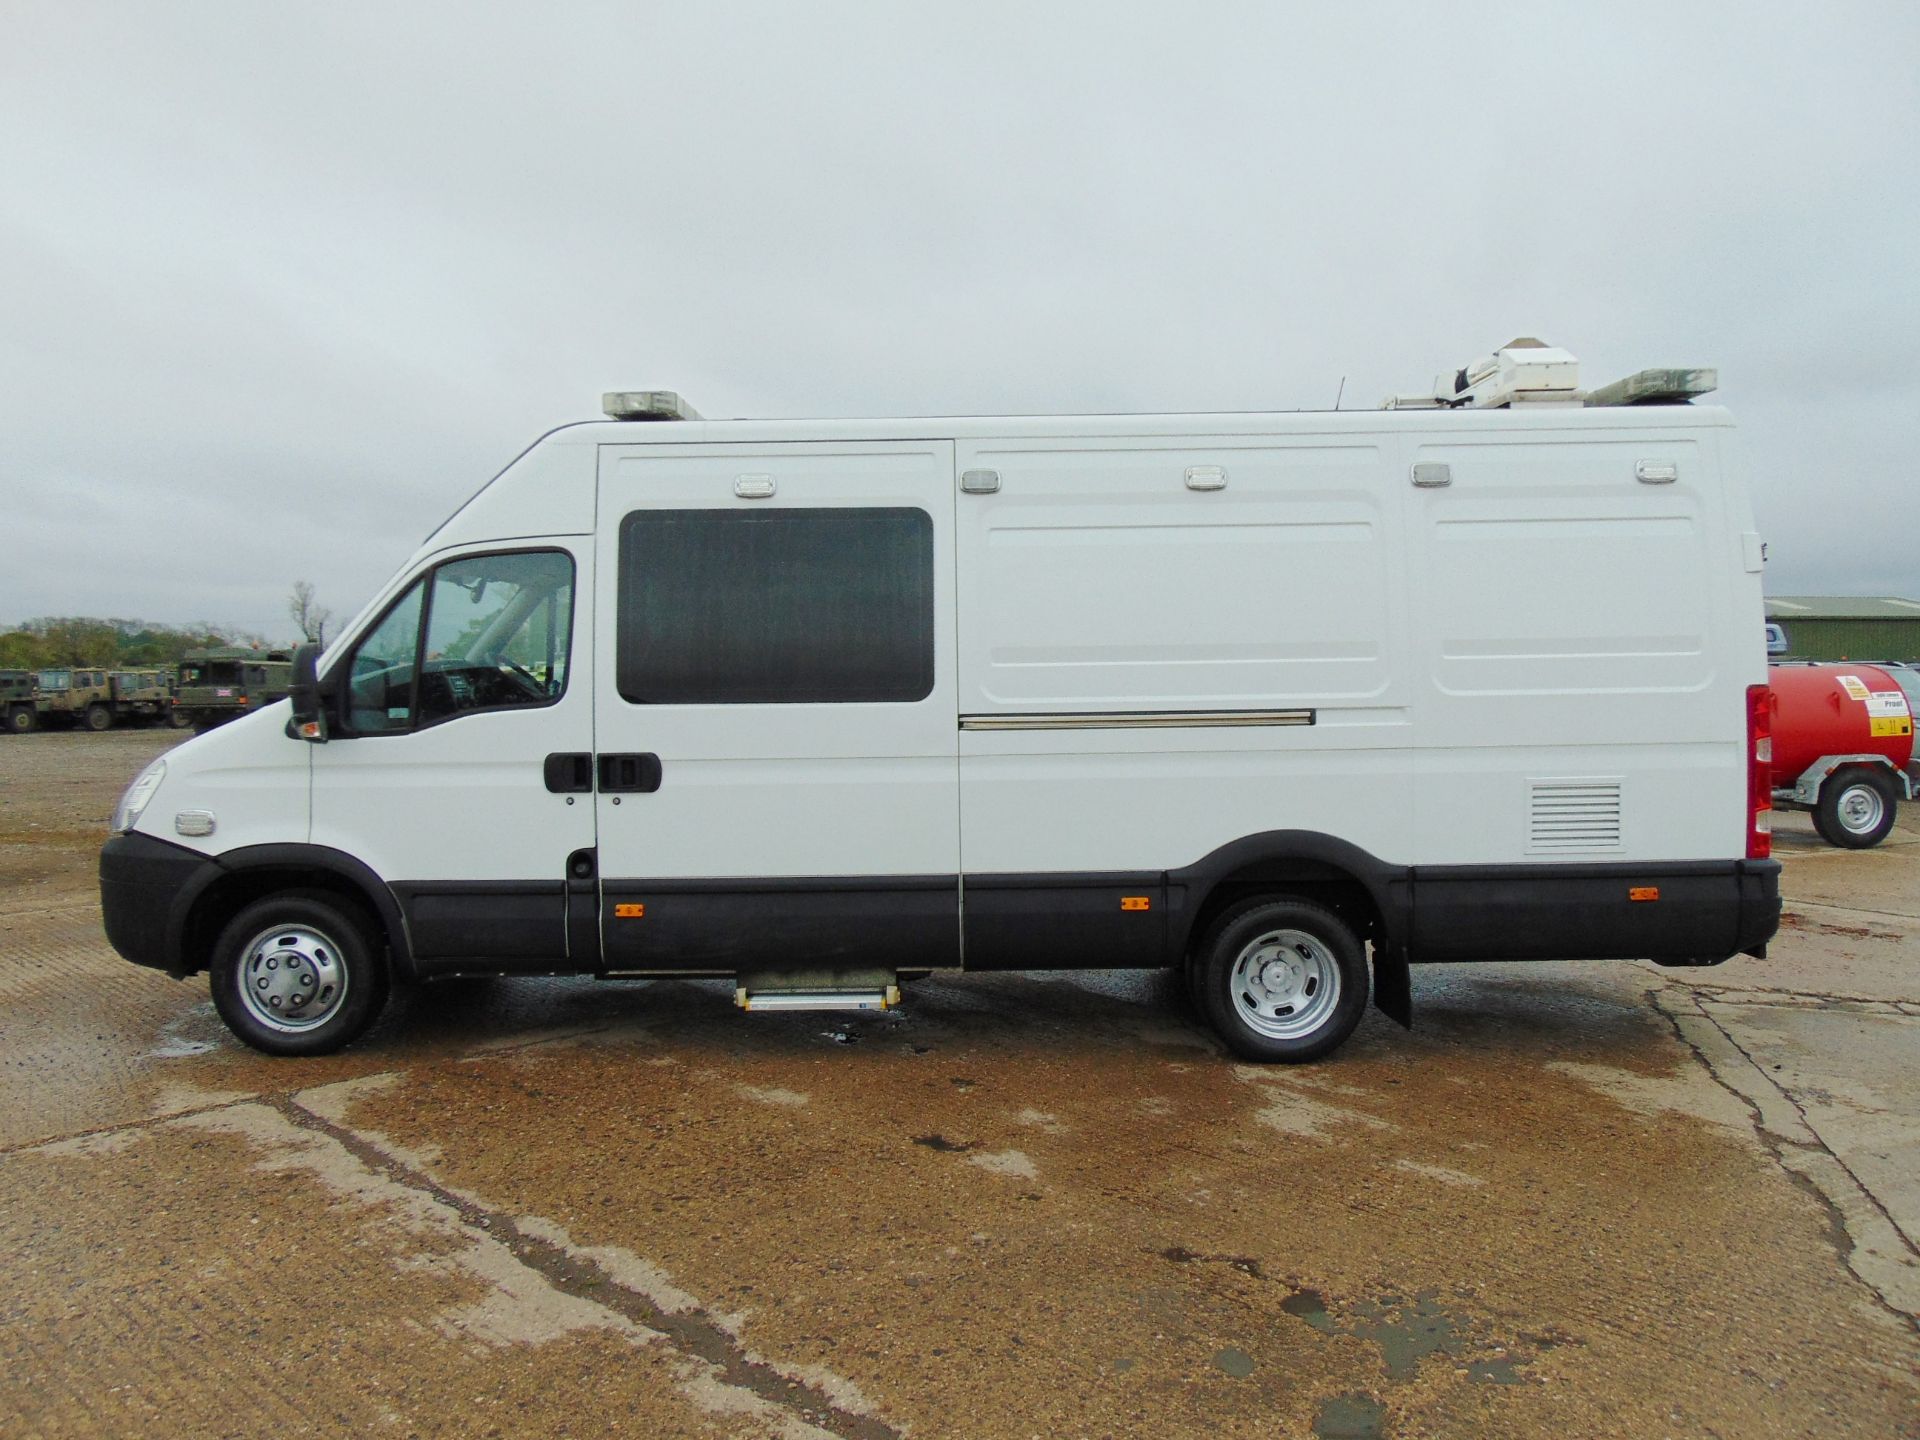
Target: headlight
(127, 813)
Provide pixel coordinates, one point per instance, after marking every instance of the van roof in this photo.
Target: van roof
(1544, 418)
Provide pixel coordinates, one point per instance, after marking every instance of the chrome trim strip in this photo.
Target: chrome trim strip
(1138, 720)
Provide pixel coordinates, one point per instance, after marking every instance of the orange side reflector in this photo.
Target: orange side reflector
(1643, 892)
(1135, 902)
(629, 912)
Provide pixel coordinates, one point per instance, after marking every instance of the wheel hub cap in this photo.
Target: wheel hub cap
(1285, 984)
(1860, 809)
(292, 978)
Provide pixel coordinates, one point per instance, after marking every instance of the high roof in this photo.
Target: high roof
(1841, 607)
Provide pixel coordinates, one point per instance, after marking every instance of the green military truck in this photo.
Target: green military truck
(75, 695)
(144, 697)
(216, 686)
(97, 698)
(19, 689)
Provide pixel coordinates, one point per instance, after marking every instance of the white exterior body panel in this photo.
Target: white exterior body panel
(465, 800)
(781, 790)
(247, 774)
(1544, 619)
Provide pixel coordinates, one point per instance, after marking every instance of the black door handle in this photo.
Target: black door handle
(629, 774)
(569, 774)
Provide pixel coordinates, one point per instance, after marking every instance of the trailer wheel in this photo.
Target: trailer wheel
(179, 719)
(298, 974)
(22, 720)
(1282, 979)
(99, 718)
(1856, 809)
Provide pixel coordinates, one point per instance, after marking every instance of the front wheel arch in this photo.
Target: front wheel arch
(248, 874)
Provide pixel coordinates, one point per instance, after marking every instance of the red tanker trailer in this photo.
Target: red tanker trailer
(1843, 746)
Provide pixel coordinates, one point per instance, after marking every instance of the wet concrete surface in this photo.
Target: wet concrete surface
(1577, 1200)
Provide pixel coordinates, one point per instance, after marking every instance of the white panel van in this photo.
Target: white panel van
(1292, 701)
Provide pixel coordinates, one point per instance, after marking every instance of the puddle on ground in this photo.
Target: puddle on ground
(1405, 1329)
(1236, 1363)
(1350, 1417)
(1409, 1330)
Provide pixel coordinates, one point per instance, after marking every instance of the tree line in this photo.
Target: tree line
(52, 640)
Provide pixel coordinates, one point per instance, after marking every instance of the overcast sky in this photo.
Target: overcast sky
(281, 286)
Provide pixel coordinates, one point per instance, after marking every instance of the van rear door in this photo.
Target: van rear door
(774, 707)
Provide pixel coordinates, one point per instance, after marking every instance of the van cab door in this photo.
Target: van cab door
(774, 696)
(458, 763)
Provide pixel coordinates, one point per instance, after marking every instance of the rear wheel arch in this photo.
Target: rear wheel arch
(1367, 893)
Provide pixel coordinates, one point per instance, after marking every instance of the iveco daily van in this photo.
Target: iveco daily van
(1291, 700)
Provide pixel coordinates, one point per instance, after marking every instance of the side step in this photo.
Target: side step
(818, 990)
(817, 999)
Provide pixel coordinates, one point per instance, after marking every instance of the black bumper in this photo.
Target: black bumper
(146, 888)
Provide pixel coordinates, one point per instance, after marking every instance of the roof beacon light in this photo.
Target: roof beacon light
(646, 405)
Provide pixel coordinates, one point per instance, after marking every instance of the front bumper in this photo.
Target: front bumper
(147, 887)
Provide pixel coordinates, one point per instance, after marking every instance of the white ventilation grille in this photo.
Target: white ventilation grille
(1573, 815)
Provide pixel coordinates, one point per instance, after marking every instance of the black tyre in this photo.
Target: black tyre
(179, 719)
(99, 718)
(1282, 979)
(22, 720)
(1856, 809)
(298, 974)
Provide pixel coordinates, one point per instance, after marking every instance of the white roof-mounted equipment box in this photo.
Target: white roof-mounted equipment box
(1521, 372)
(1531, 374)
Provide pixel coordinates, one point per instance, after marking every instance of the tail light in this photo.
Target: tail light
(1759, 772)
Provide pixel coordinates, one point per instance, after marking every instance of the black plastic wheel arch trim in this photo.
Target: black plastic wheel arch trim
(149, 888)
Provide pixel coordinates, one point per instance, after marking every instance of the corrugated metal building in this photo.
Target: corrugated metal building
(1847, 627)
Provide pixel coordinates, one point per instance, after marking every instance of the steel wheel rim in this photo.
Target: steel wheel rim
(1285, 984)
(292, 978)
(1860, 809)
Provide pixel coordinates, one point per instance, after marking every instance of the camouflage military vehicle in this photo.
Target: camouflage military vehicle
(216, 686)
(143, 697)
(98, 698)
(18, 691)
(76, 695)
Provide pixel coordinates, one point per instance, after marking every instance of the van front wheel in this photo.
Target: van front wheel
(1282, 980)
(297, 974)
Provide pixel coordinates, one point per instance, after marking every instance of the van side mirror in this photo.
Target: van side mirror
(309, 720)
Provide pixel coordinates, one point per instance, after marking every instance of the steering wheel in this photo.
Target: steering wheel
(525, 676)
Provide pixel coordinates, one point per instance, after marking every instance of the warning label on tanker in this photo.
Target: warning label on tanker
(1853, 685)
(1887, 714)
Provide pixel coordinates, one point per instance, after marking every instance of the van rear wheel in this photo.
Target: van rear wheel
(1282, 979)
(298, 974)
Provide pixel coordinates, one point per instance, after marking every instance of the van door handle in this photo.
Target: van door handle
(629, 774)
(569, 774)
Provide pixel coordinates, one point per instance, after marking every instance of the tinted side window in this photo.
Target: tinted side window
(731, 607)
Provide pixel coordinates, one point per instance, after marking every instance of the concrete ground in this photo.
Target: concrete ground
(1578, 1200)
